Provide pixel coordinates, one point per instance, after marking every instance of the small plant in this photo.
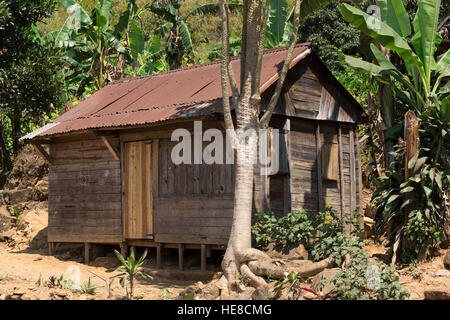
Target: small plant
(88, 288)
(15, 211)
(293, 281)
(55, 282)
(165, 293)
(4, 277)
(129, 270)
(39, 280)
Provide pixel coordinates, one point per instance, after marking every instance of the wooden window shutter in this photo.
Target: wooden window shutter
(330, 161)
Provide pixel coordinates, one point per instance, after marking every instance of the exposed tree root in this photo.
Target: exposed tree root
(276, 269)
(256, 265)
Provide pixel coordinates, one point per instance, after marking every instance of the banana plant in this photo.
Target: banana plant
(422, 82)
(175, 30)
(92, 45)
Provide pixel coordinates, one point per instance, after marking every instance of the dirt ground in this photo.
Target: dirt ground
(26, 267)
(419, 279)
(20, 272)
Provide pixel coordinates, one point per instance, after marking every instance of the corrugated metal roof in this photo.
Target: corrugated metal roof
(188, 92)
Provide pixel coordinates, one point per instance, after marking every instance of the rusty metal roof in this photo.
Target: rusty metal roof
(187, 92)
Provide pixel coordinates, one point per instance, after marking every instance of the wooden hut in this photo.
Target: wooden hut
(112, 180)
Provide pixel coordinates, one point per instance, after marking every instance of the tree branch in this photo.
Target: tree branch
(261, 41)
(224, 68)
(273, 101)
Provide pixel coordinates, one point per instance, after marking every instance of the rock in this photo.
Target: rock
(7, 235)
(322, 282)
(369, 227)
(287, 251)
(439, 293)
(65, 256)
(443, 273)
(194, 289)
(16, 196)
(309, 295)
(370, 210)
(210, 291)
(264, 292)
(58, 294)
(40, 192)
(106, 262)
(447, 259)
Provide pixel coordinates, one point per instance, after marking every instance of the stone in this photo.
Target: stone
(443, 273)
(264, 292)
(17, 196)
(309, 295)
(439, 293)
(322, 282)
(106, 262)
(447, 259)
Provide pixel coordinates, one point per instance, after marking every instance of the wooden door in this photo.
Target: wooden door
(138, 217)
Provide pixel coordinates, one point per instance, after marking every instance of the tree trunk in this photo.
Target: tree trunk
(6, 157)
(411, 136)
(16, 131)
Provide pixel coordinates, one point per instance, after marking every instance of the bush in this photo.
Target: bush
(294, 227)
(368, 281)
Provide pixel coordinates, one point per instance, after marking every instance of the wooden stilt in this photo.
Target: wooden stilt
(124, 249)
(203, 257)
(180, 256)
(158, 256)
(87, 247)
(50, 248)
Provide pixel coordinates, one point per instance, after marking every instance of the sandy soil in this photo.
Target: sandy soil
(419, 279)
(21, 270)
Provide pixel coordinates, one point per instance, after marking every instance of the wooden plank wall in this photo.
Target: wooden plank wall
(195, 201)
(304, 176)
(84, 193)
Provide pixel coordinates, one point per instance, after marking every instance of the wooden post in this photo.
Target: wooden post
(352, 176)
(158, 255)
(341, 172)
(124, 249)
(203, 257)
(319, 165)
(50, 248)
(87, 247)
(411, 135)
(180, 256)
(359, 181)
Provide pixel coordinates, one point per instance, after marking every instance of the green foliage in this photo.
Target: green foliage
(368, 281)
(292, 280)
(31, 83)
(333, 35)
(294, 227)
(414, 88)
(130, 269)
(55, 282)
(424, 228)
(88, 288)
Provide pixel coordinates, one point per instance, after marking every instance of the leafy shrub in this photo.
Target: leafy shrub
(294, 227)
(360, 278)
(424, 190)
(368, 281)
(88, 288)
